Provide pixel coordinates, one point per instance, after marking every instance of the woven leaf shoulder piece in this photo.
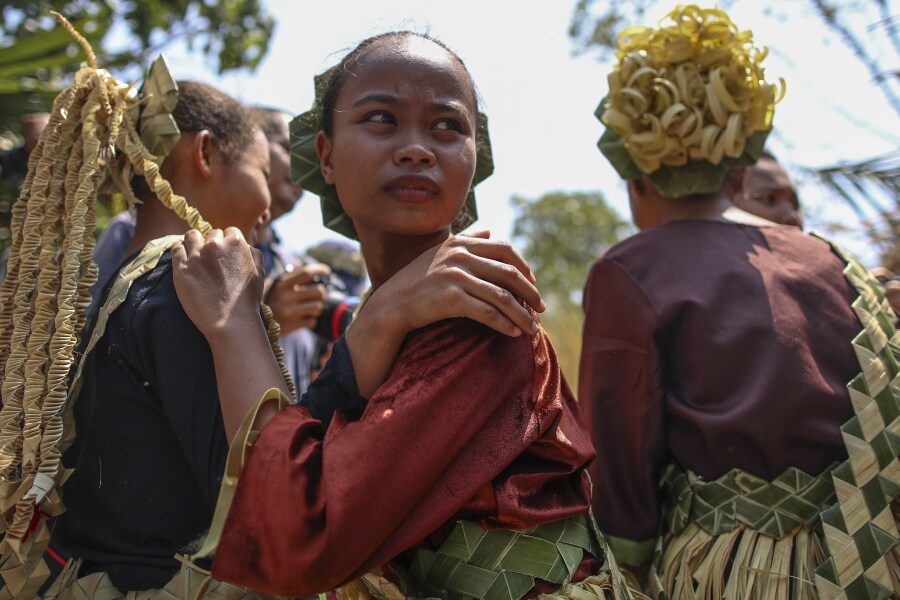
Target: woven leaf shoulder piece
(861, 530)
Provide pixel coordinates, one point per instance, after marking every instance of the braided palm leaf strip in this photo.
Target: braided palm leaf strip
(44, 297)
(17, 294)
(861, 529)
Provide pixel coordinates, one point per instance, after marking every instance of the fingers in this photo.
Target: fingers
(300, 314)
(185, 250)
(193, 240)
(508, 278)
(231, 233)
(288, 290)
(496, 307)
(497, 250)
(257, 255)
(297, 305)
(179, 254)
(221, 254)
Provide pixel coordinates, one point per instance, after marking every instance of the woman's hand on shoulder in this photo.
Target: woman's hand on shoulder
(466, 276)
(218, 280)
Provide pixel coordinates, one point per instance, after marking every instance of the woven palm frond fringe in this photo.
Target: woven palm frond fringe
(190, 583)
(501, 565)
(742, 563)
(740, 536)
(861, 530)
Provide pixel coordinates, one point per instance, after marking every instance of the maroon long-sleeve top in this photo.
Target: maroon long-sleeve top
(469, 424)
(716, 345)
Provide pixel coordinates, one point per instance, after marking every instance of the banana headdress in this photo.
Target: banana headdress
(687, 101)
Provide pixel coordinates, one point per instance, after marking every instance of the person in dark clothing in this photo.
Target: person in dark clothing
(150, 448)
(769, 193)
(721, 351)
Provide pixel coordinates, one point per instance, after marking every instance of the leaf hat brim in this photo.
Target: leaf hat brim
(694, 177)
(307, 173)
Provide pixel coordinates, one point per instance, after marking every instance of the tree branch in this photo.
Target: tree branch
(829, 15)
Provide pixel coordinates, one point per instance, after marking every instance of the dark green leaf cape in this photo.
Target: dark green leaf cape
(695, 177)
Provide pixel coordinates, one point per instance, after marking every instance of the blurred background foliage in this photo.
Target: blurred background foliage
(38, 58)
(561, 234)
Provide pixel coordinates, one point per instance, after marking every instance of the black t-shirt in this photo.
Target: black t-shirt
(150, 444)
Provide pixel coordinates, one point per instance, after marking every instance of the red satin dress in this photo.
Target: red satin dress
(470, 424)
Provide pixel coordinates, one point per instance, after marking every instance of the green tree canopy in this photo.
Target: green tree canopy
(561, 234)
(36, 56)
(235, 32)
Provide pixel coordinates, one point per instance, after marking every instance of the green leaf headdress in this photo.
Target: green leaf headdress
(306, 172)
(687, 102)
(157, 126)
(151, 113)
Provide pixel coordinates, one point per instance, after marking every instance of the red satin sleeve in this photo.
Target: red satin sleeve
(468, 420)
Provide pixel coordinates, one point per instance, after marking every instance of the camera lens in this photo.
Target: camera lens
(338, 311)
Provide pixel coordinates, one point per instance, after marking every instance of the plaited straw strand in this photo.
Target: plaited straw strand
(78, 275)
(19, 311)
(142, 160)
(273, 330)
(92, 58)
(53, 308)
(45, 295)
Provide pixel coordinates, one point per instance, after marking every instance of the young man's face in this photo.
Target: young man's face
(285, 193)
(769, 193)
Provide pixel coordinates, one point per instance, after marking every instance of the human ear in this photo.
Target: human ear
(636, 188)
(641, 209)
(323, 150)
(202, 148)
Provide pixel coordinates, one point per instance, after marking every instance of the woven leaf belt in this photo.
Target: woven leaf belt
(774, 508)
(502, 565)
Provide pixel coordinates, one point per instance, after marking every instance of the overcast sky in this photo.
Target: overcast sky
(540, 99)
